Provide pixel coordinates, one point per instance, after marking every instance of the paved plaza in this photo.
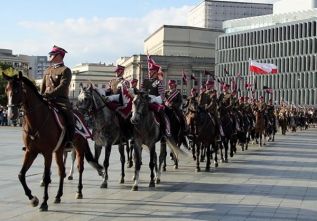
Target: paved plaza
(274, 182)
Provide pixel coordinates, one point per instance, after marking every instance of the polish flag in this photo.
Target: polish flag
(262, 68)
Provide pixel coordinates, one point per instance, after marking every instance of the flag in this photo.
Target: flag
(184, 78)
(192, 77)
(262, 68)
(150, 62)
(226, 71)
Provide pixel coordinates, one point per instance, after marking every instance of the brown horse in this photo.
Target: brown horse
(260, 126)
(42, 135)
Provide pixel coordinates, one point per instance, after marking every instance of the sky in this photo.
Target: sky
(91, 31)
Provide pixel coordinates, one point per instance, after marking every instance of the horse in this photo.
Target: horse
(147, 132)
(282, 121)
(260, 126)
(108, 127)
(229, 131)
(42, 134)
(203, 136)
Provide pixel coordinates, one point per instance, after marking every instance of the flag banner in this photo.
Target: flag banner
(150, 62)
(184, 79)
(192, 77)
(262, 68)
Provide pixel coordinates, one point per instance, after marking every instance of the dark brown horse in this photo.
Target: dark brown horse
(260, 126)
(42, 135)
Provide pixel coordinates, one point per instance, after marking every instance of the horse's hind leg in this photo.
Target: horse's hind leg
(162, 158)
(106, 166)
(80, 166)
(129, 153)
(137, 161)
(47, 177)
(71, 171)
(61, 173)
(97, 151)
(28, 160)
(122, 159)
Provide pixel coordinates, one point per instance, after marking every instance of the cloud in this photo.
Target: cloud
(96, 39)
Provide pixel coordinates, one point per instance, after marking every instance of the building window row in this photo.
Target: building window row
(274, 34)
(275, 50)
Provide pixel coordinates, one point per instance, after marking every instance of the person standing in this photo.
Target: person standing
(55, 88)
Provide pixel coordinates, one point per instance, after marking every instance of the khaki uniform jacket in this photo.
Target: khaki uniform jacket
(56, 83)
(208, 101)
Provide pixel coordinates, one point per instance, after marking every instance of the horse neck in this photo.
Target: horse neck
(35, 110)
(103, 116)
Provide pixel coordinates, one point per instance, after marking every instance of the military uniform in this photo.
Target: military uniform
(55, 87)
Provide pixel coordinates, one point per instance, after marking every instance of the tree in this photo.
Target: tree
(3, 97)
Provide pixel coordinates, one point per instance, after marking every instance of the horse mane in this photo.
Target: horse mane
(29, 83)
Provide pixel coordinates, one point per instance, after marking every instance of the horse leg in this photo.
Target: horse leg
(226, 146)
(61, 173)
(208, 153)
(193, 148)
(152, 165)
(215, 150)
(260, 137)
(104, 183)
(122, 159)
(202, 153)
(129, 153)
(138, 163)
(47, 178)
(161, 162)
(198, 156)
(28, 160)
(71, 171)
(80, 166)
(97, 151)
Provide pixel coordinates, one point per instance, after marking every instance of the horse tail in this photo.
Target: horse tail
(177, 151)
(91, 160)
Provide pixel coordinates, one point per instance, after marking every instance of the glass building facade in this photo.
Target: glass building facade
(291, 46)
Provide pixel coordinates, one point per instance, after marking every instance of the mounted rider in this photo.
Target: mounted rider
(117, 85)
(55, 88)
(208, 101)
(191, 106)
(133, 90)
(154, 86)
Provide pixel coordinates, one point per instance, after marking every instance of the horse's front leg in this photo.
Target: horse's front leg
(97, 151)
(208, 153)
(80, 166)
(122, 159)
(152, 165)
(129, 153)
(28, 161)
(138, 163)
(198, 145)
(106, 165)
(215, 150)
(61, 173)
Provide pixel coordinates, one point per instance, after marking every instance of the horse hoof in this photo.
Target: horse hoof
(231, 155)
(135, 188)
(121, 180)
(207, 169)
(226, 160)
(216, 164)
(194, 158)
(104, 185)
(175, 167)
(164, 169)
(42, 183)
(222, 160)
(70, 178)
(198, 169)
(34, 201)
(79, 195)
(151, 184)
(264, 144)
(44, 207)
(130, 164)
(57, 200)
(158, 181)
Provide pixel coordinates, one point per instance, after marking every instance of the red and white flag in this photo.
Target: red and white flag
(262, 68)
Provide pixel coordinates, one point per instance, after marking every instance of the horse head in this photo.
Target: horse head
(15, 95)
(140, 107)
(85, 100)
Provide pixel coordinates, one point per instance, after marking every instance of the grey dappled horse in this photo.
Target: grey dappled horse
(106, 127)
(147, 132)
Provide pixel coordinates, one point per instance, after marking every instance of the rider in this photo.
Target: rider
(55, 87)
(133, 90)
(208, 101)
(174, 100)
(116, 86)
(190, 107)
(154, 86)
